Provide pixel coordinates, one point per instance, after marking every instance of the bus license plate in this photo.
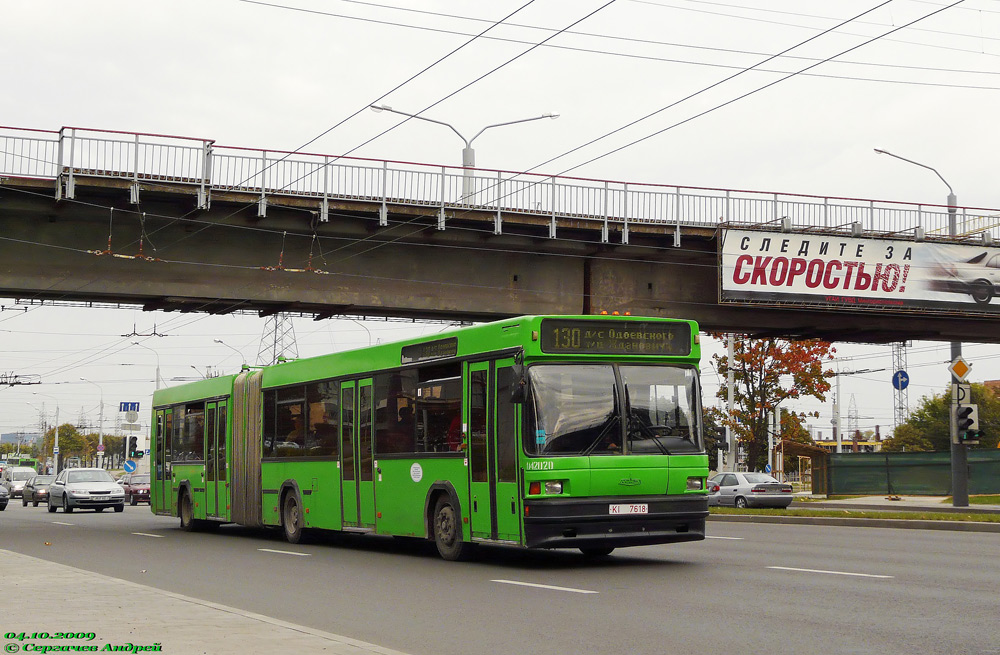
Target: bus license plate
(629, 508)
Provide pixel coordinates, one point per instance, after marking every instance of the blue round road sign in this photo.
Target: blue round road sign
(900, 380)
(130, 466)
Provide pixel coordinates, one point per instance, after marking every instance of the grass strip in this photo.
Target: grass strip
(861, 514)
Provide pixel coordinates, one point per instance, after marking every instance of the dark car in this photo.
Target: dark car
(136, 486)
(36, 490)
(85, 488)
(4, 498)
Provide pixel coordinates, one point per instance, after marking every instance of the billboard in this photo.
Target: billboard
(877, 274)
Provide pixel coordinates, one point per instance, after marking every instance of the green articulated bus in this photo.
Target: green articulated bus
(538, 431)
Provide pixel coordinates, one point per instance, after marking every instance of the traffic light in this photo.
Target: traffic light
(968, 417)
(133, 446)
(968, 424)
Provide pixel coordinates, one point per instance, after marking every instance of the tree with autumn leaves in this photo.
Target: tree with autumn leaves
(766, 373)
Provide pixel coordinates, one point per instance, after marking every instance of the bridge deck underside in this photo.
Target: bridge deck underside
(165, 254)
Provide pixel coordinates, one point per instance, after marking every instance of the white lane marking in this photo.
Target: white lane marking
(730, 538)
(859, 575)
(546, 586)
(61, 523)
(283, 552)
(146, 534)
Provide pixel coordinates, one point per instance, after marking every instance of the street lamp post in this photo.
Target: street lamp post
(136, 343)
(100, 420)
(55, 439)
(243, 366)
(468, 154)
(959, 454)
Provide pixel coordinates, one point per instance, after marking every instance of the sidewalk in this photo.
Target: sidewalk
(43, 597)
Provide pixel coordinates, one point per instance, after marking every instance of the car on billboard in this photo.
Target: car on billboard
(978, 276)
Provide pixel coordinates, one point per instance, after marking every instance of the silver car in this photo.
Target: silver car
(85, 488)
(748, 490)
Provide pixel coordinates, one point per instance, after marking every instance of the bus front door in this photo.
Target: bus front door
(357, 467)
(492, 452)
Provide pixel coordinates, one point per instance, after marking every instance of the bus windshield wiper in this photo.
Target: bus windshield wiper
(636, 426)
(612, 420)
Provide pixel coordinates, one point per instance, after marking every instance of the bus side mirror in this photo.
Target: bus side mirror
(517, 391)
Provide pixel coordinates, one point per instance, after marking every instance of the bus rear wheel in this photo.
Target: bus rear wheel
(291, 519)
(186, 513)
(448, 532)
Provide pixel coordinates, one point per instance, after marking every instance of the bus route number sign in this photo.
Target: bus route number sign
(615, 337)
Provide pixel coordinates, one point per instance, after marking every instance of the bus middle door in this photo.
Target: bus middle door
(357, 467)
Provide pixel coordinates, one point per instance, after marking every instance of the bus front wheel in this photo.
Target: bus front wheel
(448, 531)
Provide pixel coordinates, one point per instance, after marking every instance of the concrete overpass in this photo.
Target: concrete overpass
(180, 224)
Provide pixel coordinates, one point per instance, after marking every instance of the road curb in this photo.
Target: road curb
(899, 524)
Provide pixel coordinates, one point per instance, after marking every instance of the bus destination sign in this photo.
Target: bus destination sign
(615, 337)
(422, 352)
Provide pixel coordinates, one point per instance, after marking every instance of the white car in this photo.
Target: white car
(979, 277)
(748, 490)
(15, 477)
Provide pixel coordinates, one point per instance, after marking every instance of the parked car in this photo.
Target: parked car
(85, 488)
(14, 478)
(136, 486)
(4, 498)
(36, 490)
(748, 490)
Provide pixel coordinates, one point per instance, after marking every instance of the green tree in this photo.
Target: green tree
(907, 438)
(768, 372)
(792, 429)
(931, 420)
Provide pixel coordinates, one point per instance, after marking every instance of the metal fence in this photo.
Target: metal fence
(69, 153)
(927, 474)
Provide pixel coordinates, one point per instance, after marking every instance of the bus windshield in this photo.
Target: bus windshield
(578, 409)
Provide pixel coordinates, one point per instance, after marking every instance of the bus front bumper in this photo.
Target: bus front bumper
(592, 523)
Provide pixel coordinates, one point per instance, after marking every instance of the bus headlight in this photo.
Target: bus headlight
(549, 487)
(553, 486)
(696, 484)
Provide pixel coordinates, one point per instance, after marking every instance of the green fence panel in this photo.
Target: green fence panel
(912, 474)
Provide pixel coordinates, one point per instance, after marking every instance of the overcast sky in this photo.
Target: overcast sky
(281, 76)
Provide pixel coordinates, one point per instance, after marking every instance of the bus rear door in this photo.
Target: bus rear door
(215, 460)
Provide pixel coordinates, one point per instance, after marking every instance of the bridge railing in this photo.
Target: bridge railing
(149, 158)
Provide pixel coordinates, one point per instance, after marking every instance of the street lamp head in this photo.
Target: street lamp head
(552, 114)
(882, 152)
(378, 108)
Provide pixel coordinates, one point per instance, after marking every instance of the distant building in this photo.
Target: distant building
(24, 438)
